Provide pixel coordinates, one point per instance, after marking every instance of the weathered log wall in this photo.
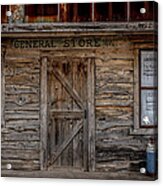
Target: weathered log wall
(21, 129)
(116, 148)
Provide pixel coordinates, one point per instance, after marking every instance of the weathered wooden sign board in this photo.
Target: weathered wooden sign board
(70, 42)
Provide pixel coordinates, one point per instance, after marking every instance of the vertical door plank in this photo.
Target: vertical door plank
(91, 114)
(67, 105)
(43, 115)
(77, 142)
(59, 106)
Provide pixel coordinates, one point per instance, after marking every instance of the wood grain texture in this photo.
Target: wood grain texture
(108, 103)
(91, 115)
(116, 149)
(21, 134)
(43, 118)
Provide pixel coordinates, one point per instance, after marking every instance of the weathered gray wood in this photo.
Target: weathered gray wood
(17, 116)
(22, 99)
(89, 27)
(43, 116)
(91, 114)
(20, 136)
(113, 73)
(66, 125)
(19, 154)
(67, 141)
(68, 87)
(118, 148)
(28, 145)
(23, 125)
(23, 79)
(18, 164)
(77, 142)
(21, 89)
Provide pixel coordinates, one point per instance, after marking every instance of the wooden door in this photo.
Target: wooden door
(70, 111)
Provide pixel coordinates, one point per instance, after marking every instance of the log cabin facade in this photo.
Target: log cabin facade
(72, 89)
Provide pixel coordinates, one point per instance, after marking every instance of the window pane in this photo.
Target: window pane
(148, 61)
(148, 108)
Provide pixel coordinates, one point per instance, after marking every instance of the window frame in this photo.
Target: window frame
(137, 128)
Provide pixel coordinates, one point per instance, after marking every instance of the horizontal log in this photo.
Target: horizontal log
(22, 125)
(20, 136)
(11, 70)
(21, 89)
(121, 143)
(114, 166)
(110, 102)
(24, 115)
(21, 164)
(113, 88)
(118, 62)
(22, 99)
(114, 95)
(23, 79)
(23, 128)
(105, 123)
(20, 154)
(122, 51)
(23, 122)
(119, 154)
(114, 113)
(121, 166)
(15, 108)
(17, 145)
(23, 112)
(112, 133)
(24, 53)
(26, 107)
(115, 73)
(19, 59)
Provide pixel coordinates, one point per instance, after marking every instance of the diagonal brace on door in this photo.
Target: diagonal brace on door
(67, 141)
(73, 93)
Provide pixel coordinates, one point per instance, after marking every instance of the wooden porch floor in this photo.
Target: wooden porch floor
(77, 174)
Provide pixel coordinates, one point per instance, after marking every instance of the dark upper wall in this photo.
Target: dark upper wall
(81, 12)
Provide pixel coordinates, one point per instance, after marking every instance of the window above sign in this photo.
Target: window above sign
(80, 12)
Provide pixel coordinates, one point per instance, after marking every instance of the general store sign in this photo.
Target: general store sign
(64, 42)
